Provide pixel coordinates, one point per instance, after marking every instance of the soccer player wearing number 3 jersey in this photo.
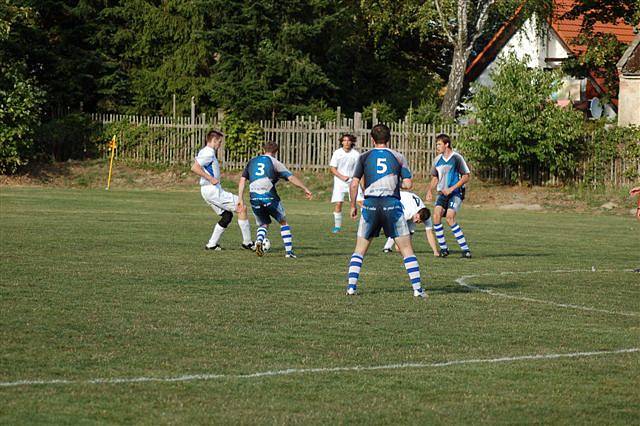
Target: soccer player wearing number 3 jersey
(263, 172)
(382, 172)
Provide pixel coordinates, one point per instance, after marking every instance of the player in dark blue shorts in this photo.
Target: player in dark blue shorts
(263, 172)
(382, 172)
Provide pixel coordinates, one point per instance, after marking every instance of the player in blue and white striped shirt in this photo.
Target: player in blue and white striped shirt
(382, 172)
(450, 173)
(263, 172)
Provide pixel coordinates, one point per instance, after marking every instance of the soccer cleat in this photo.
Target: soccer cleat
(466, 254)
(259, 249)
(290, 255)
(387, 250)
(250, 246)
(444, 252)
(214, 248)
(336, 229)
(351, 290)
(420, 293)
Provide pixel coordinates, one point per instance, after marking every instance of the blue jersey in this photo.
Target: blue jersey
(263, 172)
(382, 171)
(449, 171)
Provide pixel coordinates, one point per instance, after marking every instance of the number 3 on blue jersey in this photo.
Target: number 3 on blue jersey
(381, 165)
(260, 171)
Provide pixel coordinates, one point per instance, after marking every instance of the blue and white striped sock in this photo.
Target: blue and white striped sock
(287, 238)
(457, 232)
(354, 269)
(439, 230)
(411, 265)
(261, 234)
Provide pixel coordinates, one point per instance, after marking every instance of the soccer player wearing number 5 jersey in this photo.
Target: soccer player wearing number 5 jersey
(382, 172)
(263, 172)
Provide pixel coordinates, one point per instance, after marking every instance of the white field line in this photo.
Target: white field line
(463, 282)
(290, 371)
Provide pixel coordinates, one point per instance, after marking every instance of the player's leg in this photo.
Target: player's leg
(337, 197)
(355, 264)
(368, 228)
(278, 213)
(438, 213)
(388, 245)
(396, 227)
(229, 201)
(454, 206)
(411, 264)
(337, 217)
(210, 196)
(262, 221)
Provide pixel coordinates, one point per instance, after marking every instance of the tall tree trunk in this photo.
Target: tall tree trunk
(455, 82)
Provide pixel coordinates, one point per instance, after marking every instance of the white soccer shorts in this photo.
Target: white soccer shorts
(340, 188)
(218, 199)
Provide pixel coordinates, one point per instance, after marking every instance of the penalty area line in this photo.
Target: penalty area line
(290, 371)
(462, 281)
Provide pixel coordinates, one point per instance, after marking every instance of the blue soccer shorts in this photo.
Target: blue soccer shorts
(382, 213)
(264, 211)
(453, 202)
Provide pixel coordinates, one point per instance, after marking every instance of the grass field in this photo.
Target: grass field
(105, 292)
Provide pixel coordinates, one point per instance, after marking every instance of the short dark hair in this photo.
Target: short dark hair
(381, 133)
(213, 135)
(444, 138)
(270, 147)
(349, 136)
(424, 213)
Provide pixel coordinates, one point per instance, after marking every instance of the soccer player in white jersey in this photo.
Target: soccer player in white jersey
(342, 165)
(263, 172)
(449, 175)
(415, 212)
(222, 202)
(382, 172)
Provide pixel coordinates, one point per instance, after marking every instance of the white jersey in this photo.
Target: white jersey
(411, 204)
(344, 161)
(207, 159)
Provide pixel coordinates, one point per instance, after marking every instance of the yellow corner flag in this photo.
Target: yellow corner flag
(112, 147)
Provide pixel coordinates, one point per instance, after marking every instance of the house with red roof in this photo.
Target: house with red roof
(629, 91)
(548, 49)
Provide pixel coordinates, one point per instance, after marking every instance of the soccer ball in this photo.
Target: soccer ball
(266, 244)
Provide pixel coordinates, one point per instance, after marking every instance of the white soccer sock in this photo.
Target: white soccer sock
(389, 243)
(411, 265)
(245, 228)
(457, 232)
(439, 231)
(287, 238)
(215, 236)
(337, 219)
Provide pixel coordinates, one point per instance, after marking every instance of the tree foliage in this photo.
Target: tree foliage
(518, 128)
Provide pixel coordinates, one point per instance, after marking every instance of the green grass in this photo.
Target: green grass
(98, 284)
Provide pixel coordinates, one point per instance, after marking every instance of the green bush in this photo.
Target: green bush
(241, 136)
(20, 108)
(519, 129)
(607, 144)
(74, 136)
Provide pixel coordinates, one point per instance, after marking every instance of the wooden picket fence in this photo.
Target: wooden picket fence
(307, 144)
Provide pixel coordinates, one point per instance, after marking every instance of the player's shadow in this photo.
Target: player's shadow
(430, 290)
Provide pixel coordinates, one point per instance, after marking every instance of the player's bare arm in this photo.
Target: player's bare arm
(339, 175)
(464, 179)
(197, 169)
(297, 182)
(353, 192)
(432, 185)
